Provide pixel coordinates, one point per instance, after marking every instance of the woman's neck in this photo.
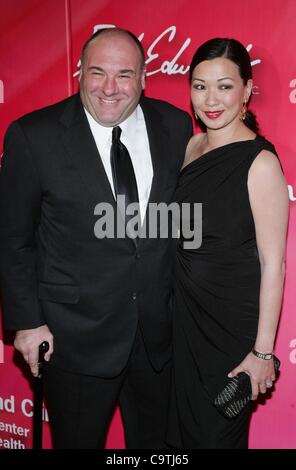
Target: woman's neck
(219, 137)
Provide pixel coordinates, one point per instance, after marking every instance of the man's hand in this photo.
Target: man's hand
(27, 343)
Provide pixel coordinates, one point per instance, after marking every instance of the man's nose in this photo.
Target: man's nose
(110, 86)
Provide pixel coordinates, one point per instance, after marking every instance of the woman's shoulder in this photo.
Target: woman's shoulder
(194, 148)
(265, 144)
(266, 161)
(265, 166)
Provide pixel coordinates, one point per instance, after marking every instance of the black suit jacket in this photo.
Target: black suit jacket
(90, 292)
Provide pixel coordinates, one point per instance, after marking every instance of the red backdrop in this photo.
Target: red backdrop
(39, 52)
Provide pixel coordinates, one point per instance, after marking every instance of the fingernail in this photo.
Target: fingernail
(229, 375)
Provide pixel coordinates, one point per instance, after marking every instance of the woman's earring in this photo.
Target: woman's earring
(196, 116)
(244, 110)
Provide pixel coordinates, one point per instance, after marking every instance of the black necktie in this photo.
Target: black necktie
(124, 179)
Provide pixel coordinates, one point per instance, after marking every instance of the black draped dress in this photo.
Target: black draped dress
(216, 290)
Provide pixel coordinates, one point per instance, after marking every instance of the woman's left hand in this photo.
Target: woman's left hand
(261, 372)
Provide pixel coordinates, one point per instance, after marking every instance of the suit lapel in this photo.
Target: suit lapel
(158, 137)
(158, 141)
(82, 149)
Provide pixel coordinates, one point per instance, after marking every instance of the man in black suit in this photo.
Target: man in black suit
(103, 304)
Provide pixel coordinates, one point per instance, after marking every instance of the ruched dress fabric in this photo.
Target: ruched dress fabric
(216, 297)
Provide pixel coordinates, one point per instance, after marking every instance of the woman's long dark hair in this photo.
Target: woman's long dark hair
(233, 50)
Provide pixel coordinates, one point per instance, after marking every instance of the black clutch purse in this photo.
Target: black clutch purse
(237, 393)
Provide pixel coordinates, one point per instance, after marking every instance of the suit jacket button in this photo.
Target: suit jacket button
(138, 256)
(134, 296)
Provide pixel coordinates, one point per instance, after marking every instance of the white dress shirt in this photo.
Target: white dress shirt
(134, 137)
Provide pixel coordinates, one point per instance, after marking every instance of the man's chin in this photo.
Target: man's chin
(108, 120)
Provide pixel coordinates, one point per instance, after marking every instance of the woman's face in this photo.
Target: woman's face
(218, 92)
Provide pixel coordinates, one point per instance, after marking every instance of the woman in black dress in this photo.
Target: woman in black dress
(228, 292)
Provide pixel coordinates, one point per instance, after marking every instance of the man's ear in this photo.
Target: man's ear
(143, 79)
(80, 72)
